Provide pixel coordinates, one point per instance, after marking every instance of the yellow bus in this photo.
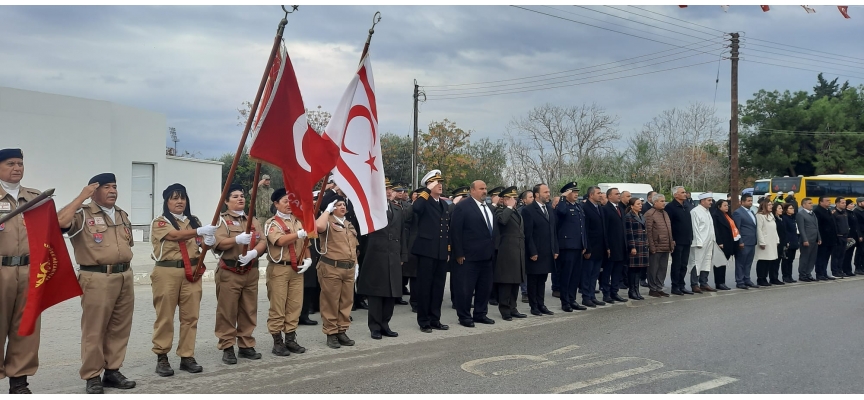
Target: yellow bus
(814, 187)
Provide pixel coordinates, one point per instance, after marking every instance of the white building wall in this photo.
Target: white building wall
(67, 140)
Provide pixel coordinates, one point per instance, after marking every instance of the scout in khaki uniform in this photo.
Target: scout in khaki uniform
(176, 236)
(237, 279)
(101, 235)
(336, 272)
(285, 270)
(20, 358)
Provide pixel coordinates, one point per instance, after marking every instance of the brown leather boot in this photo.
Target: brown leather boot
(696, 289)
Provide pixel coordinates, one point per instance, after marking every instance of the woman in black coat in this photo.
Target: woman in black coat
(726, 236)
(791, 227)
(853, 234)
(774, 269)
(509, 268)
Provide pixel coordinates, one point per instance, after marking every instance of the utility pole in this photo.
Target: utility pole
(174, 138)
(415, 157)
(733, 128)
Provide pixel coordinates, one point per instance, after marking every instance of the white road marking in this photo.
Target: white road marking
(651, 366)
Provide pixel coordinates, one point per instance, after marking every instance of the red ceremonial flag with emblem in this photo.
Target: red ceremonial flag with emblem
(282, 137)
(359, 170)
(52, 277)
(845, 11)
(765, 8)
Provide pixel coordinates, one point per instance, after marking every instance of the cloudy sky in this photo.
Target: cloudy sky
(197, 64)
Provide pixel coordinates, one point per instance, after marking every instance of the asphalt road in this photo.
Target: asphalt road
(799, 338)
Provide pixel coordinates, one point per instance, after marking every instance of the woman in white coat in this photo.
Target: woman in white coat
(766, 241)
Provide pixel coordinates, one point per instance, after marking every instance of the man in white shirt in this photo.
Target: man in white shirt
(703, 244)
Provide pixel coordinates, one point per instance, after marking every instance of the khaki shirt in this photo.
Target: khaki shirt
(231, 225)
(13, 233)
(274, 232)
(99, 241)
(169, 250)
(339, 242)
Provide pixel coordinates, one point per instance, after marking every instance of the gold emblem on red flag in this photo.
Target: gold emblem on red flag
(46, 271)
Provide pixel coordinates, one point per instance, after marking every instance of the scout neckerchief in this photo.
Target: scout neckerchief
(291, 251)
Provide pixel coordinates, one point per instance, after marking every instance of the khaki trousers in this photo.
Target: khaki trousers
(236, 308)
(337, 297)
(106, 320)
(170, 291)
(20, 357)
(285, 292)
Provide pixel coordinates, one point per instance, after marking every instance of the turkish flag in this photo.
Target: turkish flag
(845, 11)
(765, 8)
(359, 170)
(52, 277)
(283, 138)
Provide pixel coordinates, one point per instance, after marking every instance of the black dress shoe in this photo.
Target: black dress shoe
(507, 318)
(788, 280)
(414, 310)
(686, 291)
(438, 326)
(467, 324)
(389, 333)
(776, 282)
(741, 287)
(546, 311)
(608, 300)
(426, 329)
(401, 302)
(307, 321)
(535, 311)
(493, 302)
(598, 302)
(516, 314)
(577, 306)
(677, 292)
(376, 335)
(228, 356)
(588, 303)
(566, 308)
(830, 278)
(485, 320)
(643, 283)
(722, 287)
(618, 298)
(751, 284)
(764, 284)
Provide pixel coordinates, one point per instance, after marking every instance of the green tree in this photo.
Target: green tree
(396, 152)
(488, 159)
(444, 147)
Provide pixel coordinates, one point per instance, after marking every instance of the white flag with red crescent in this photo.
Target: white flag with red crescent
(359, 169)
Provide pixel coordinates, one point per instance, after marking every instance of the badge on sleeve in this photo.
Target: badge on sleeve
(90, 222)
(97, 237)
(2, 227)
(161, 224)
(198, 240)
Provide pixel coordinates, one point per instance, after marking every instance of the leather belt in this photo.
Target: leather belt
(285, 263)
(15, 261)
(108, 269)
(338, 264)
(235, 267)
(175, 263)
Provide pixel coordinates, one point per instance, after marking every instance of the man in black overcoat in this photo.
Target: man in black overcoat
(592, 259)
(510, 261)
(541, 247)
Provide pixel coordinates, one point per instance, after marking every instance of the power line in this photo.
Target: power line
(665, 22)
(796, 53)
(630, 20)
(806, 133)
(569, 80)
(803, 69)
(804, 58)
(572, 84)
(575, 69)
(803, 48)
(681, 20)
(789, 62)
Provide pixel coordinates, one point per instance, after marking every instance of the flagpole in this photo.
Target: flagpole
(28, 205)
(375, 20)
(249, 118)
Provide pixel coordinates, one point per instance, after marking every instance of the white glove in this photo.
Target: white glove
(243, 238)
(209, 240)
(206, 230)
(250, 255)
(301, 234)
(307, 262)
(331, 206)
(737, 237)
(356, 271)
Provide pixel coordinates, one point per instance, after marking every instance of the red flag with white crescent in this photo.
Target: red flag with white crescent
(845, 11)
(359, 170)
(283, 138)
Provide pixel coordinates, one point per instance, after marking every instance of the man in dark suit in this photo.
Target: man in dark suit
(571, 243)
(828, 232)
(457, 195)
(809, 238)
(616, 243)
(432, 249)
(541, 247)
(592, 258)
(678, 211)
(745, 221)
(472, 230)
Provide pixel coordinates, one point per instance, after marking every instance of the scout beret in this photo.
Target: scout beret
(173, 188)
(6, 154)
(234, 188)
(278, 194)
(103, 179)
(496, 191)
(511, 192)
(569, 186)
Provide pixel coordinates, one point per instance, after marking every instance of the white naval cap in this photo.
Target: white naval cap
(433, 175)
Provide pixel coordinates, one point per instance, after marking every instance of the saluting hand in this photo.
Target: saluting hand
(330, 207)
(431, 185)
(89, 190)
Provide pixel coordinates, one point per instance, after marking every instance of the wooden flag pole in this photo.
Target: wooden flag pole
(279, 31)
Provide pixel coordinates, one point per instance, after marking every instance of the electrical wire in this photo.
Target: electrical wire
(571, 70)
(676, 19)
(805, 133)
(803, 69)
(798, 53)
(630, 20)
(666, 22)
(805, 58)
(557, 79)
(803, 48)
(568, 85)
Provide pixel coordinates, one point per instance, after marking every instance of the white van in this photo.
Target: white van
(637, 190)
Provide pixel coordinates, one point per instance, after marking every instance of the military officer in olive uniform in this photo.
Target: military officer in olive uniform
(456, 195)
(495, 198)
(20, 358)
(176, 237)
(237, 278)
(509, 270)
(101, 235)
(432, 250)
